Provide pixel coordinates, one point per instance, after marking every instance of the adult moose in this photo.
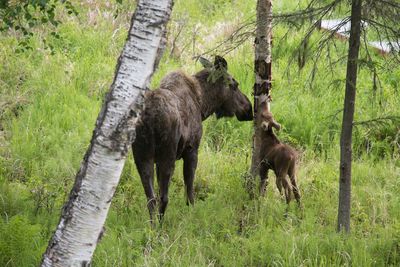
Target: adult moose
(170, 127)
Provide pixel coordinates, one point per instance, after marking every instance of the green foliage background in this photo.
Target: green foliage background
(50, 99)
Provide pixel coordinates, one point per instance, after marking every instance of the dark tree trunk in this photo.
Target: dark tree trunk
(262, 68)
(83, 216)
(347, 124)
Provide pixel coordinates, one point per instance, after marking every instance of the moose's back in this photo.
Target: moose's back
(171, 116)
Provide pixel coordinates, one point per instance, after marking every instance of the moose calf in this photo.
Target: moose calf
(275, 155)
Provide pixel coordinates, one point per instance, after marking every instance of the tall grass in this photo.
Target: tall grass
(49, 104)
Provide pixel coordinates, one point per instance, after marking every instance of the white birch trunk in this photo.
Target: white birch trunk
(83, 216)
(262, 67)
(263, 48)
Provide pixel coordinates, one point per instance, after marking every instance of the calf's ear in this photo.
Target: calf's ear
(276, 125)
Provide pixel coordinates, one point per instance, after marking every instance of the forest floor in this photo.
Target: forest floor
(50, 100)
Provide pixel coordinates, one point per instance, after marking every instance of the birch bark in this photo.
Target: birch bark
(262, 68)
(83, 216)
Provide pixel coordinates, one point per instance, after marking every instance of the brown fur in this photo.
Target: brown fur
(275, 155)
(170, 127)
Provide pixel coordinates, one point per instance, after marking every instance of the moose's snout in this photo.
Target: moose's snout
(264, 126)
(245, 113)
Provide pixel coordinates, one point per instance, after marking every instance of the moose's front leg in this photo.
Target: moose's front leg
(189, 169)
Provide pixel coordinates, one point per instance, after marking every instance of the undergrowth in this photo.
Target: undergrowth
(49, 103)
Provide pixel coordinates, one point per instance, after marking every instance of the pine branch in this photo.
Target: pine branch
(379, 120)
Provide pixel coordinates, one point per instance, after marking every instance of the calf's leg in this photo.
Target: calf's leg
(296, 191)
(292, 176)
(263, 178)
(279, 184)
(287, 187)
(278, 180)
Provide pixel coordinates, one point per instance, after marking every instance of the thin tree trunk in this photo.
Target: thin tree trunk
(83, 216)
(262, 68)
(347, 124)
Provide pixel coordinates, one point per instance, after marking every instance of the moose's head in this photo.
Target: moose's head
(230, 100)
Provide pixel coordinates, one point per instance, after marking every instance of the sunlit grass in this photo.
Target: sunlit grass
(59, 96)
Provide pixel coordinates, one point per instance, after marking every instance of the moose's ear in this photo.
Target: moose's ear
(205, 62)
(276, 125)
(220, 63)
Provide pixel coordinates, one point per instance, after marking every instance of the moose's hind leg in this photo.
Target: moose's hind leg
(189, 169)
(165, 169)
(146, 172)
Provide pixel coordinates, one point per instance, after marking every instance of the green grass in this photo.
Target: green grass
(48, 108)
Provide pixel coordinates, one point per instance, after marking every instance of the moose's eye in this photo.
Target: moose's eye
(266, 116)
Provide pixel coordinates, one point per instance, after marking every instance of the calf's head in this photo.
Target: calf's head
(231, 101)
(265, 119)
